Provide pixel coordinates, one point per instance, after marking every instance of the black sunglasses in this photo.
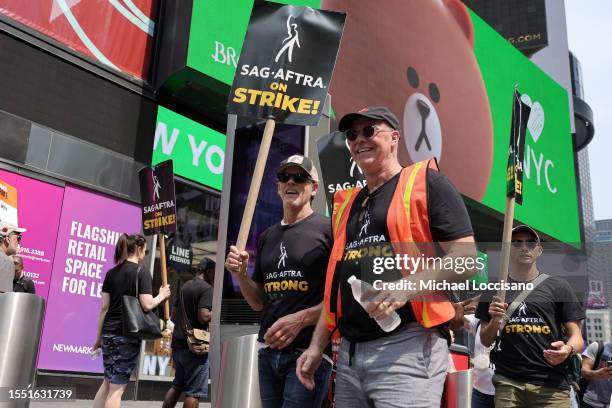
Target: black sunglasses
(299, 178)
(366, 131)
(16, 235)
(531, 243)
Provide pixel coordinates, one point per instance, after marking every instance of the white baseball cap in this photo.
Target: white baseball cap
(7, 228)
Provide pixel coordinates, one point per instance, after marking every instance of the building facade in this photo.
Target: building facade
(597, 325)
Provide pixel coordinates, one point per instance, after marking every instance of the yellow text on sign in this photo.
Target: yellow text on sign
(277, 100)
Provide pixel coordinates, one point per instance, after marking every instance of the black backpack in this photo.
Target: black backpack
(584, 383)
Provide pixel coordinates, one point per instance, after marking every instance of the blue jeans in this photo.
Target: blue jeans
(279, 386)
(481, 400)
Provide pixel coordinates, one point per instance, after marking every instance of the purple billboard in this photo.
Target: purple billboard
(89, 227)
(39, 207)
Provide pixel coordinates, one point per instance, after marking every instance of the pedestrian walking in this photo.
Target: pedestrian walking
(119, 352)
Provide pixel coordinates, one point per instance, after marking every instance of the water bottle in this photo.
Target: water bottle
(389, 323)
(96, 353)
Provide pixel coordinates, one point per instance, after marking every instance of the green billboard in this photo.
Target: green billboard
(549, 184)
(217, 30)
(450, 79)
(197, 151)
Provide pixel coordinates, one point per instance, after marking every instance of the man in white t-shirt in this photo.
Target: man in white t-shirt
(484, 392)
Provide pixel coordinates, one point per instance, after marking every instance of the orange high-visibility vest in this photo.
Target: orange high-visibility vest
(408, 225)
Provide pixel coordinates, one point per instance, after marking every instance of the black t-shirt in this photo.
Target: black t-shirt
(533, 326)
(119, 281)
(197, 294)
(291, 264)
(368, 237)
(24, 285)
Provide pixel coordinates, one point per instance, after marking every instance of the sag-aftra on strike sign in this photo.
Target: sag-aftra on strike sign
(286, 63)
(158, 199)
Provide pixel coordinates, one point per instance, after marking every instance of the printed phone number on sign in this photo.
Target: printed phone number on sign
(32, 251)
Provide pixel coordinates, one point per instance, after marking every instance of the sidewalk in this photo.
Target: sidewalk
(88, 404)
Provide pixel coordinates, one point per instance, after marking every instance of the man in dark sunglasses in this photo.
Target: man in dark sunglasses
(398, 207)
(10, 236)
(542, 331)
(287, 286)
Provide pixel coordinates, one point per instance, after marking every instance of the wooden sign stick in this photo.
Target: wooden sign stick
(260, 165)
(164, 273)
(504, 261)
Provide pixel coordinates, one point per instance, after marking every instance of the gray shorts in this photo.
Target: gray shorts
(405, 369)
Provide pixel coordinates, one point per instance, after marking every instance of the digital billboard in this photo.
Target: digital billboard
(198, 152)
(89, 227)
(452, 89)
(522, 22)
(217, 31)
(41, 219)
(117, 34)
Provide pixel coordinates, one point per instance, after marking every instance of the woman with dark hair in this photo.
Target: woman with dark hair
(119, 352)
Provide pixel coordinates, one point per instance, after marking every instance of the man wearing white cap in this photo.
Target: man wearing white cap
(287, 286)
(541, 332)
(10, 236)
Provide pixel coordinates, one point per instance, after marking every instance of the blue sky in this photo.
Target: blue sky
(589, 31)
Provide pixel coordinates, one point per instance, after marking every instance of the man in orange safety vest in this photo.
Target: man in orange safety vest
(404, 217)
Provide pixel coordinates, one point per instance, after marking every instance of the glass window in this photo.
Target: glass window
(195, 241)
(194, 245)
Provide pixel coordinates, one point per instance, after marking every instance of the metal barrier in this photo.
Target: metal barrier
(239, 379)
(21, 317)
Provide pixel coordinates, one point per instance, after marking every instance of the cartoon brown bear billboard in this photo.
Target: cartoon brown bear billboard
(416, 57)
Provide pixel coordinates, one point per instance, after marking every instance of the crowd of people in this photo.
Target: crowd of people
(523, 343)
(302, 270)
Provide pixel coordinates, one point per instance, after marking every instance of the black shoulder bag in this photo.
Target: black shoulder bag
(198, 340)
(136, 322)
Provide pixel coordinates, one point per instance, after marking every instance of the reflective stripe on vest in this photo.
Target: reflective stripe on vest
(407, 223)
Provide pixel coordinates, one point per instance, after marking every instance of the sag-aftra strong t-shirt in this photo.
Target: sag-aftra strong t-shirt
(291, 264)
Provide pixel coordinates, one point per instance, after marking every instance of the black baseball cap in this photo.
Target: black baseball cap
(302, 162)
(371, 112)
(527, 229)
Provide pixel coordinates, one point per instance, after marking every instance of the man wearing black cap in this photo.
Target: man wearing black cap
(541, 329)
(399, 207)
(287, 286)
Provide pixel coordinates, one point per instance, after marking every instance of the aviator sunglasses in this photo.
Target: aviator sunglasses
(531, 243)
(299, 178)
(366, 131)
